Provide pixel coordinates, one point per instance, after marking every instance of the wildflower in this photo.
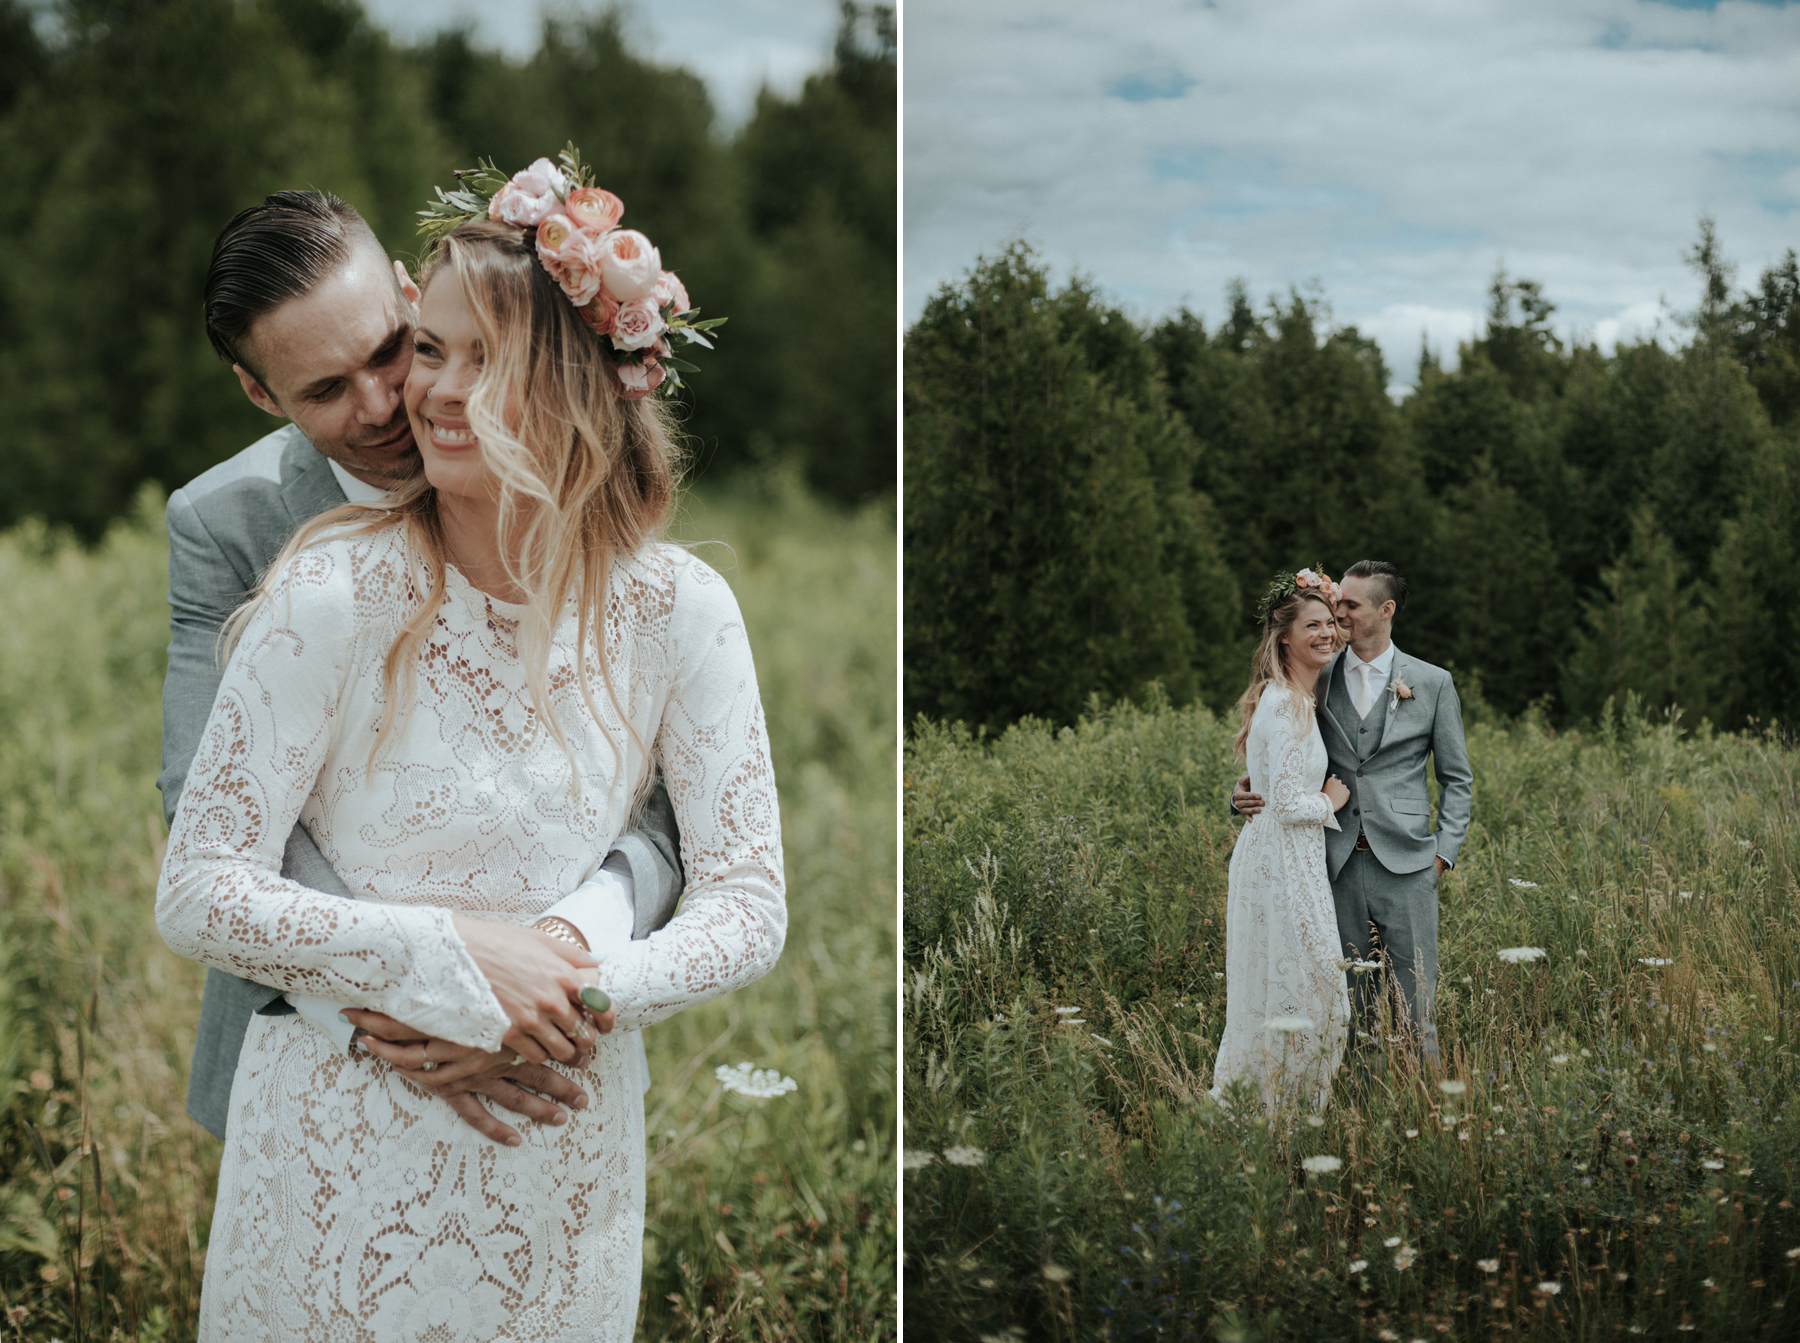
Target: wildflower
(1559, 1059)
(1321, 1165)
(1706, 1282)
(1288, 1025)
(1746, 1170)
(1363, 967)
(1218, 974)
(756, 1083)
(1391, 1242)
(1743, 844)
(1655, 960)
(41, 1080)
(1522, 884)
(1794, 1253)
(1488, 1265)
(1358, 1265)
(1712, 1165)
(16, 1315)
(1068, 1011)
(1404, 1256)
(1313, 1121)
(1521, 955)
(1056, 1273)
(1072, 1021)
(1581, 953)
(1451, 1087)
(1412, 1132)
(1549, 1288)
(964, 1156)
(917, 1160)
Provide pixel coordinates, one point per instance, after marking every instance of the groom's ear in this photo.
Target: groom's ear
(407, 286)
(257, 392)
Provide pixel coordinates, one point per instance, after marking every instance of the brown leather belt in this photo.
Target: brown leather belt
(1362, 841)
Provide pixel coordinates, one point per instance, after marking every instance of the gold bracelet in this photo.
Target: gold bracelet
(562, 930)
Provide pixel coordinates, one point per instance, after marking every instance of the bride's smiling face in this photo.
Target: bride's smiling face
(447, 359)
(1312, 639)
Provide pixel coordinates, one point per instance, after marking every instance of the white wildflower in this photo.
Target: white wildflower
(1358, 1265)
(756, 1083)
(964, 1156)
(1549, 1288)
(1391, 1242)
(1746, 1170)
(1712, 1165)
(1313, 1121)
(1794, 1253)
(1364, 967)
(917, 1160)
(1522, 884)
(1412, 1132)
(1710, 1048)
(1068, 1011)
(1522, 955)
(1559, 1059)
(1451, 1087)
(1218, 974)
(1488, 1265)
(1321, 1165)
(1057, 1273)
(1404, 1256)
(1073, 1021)
(1655, 960)
(1288, 1025)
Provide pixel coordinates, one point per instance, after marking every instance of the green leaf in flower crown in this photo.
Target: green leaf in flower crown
(707, 325)
(694, 336)
(679, 365)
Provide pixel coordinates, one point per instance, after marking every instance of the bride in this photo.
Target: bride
(461, 694)
(1286, 1008)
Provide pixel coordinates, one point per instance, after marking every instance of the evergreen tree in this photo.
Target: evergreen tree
(1756, 623)
(1053, 546)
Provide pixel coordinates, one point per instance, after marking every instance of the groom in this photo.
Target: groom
(301, 300)
(1381, 714)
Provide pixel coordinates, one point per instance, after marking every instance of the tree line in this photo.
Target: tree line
(131, 130)
(1093, 506)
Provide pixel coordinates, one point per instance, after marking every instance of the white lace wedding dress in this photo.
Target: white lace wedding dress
(351, 1204)
(1282, 960)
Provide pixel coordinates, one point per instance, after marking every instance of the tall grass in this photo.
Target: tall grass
(772, 1219)
(1621, 1157)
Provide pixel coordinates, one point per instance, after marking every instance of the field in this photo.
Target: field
(1615, 1154)
(772, 1219)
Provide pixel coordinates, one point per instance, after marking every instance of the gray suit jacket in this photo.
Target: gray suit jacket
(1381, 759)
(224, 528)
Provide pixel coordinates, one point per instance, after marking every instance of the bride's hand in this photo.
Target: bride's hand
(1336, 792)
(538, 980)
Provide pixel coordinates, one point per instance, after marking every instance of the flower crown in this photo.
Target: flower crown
(612, 275)
(1285, 585)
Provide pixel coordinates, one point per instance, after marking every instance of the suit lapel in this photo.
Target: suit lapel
(1322, 693)
(308, 486)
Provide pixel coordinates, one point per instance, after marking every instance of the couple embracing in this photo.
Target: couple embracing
(1333, 885)
(477, 730)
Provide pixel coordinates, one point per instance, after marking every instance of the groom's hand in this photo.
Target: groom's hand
(1442, 867)
(1245, 802)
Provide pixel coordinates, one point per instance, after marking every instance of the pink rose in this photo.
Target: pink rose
(531, 196)
(670, 293)
(637, 325)
(592, 207)
(641, 379)
(630, 264)
(575, 265)
(599, 313)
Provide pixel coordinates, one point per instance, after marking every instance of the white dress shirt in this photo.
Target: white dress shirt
(1379, 670)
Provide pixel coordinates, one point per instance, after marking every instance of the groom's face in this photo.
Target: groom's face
(1363, 611)
(334, 361)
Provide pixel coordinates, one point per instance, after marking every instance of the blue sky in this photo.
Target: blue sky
(1392, 154)
(736, 46)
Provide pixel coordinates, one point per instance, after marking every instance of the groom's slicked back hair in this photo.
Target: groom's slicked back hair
(271, 253)
(1393, 586)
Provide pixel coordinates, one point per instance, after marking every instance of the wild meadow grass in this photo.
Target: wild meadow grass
(770, 1219)
(1614, 1154)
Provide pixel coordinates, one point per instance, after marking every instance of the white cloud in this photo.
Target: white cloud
(736, 46)
(1395, 153)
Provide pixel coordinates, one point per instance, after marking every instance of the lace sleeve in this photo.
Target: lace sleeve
(221, 898)
(714, 749)
(1293, 798)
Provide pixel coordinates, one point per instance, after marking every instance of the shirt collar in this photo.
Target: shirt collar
(356, 491)
(1383, 665)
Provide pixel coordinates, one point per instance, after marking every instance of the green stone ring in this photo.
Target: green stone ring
(596, 999)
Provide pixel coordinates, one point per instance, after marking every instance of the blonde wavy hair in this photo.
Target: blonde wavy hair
(585, 476)
(1268, 664)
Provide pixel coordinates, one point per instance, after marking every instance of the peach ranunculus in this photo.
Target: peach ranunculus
(641, 379)
(595, 208)
(670, 293)
(599, 313)
(631, 264)
(575, 265)
(637, 324)
(553, 234)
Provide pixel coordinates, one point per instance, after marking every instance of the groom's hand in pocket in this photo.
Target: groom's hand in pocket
(1243, 801)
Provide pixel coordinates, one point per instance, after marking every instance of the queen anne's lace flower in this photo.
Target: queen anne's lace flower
(1521, 955)
(964, 1156)
(757, 1083)
(1321, 1165)
(917, 1160)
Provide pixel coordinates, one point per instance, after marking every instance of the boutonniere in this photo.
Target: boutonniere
(1397, 691)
